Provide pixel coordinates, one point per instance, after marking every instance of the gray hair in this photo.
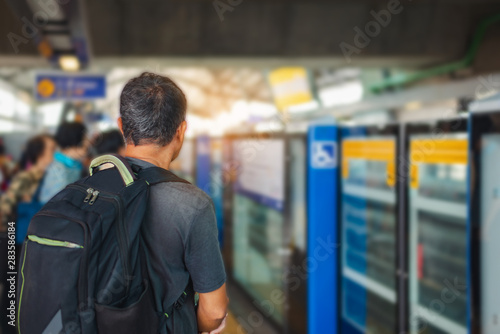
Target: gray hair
(152, 108)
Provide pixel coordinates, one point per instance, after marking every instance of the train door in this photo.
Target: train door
(296, 189)
(259, 228)
(369, 218)
(484, 221)
(437, 231)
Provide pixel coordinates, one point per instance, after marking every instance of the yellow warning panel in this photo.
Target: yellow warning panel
(290, 86)
(369, 149)
(436, 151)
(378, 150)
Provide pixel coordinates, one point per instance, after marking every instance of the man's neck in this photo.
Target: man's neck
(158, 156)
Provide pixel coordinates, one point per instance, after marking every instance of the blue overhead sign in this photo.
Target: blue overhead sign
(69, 87)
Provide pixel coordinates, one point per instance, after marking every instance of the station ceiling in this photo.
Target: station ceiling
(220, 47)
(421, 33)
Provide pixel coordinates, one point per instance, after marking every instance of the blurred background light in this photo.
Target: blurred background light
(69, 63)
(303, 107)
(51, 113)
(345, 93)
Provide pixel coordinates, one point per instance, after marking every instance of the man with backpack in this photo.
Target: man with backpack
(126, 249)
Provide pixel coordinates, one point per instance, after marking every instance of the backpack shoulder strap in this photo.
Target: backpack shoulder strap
(119, 162)
(155, 175)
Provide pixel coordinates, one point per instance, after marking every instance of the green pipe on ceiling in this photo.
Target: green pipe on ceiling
(404, 79)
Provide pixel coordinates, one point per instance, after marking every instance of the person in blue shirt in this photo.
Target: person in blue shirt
(67, 165)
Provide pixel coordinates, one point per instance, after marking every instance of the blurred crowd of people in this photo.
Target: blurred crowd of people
(47, 165)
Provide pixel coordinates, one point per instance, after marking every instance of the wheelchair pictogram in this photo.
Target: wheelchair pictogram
(324, 154)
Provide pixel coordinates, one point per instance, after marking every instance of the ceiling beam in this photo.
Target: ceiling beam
(24, 61)
(263, 62)
(468, 88)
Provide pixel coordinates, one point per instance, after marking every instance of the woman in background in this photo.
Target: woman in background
(5, 170)
(38, 155)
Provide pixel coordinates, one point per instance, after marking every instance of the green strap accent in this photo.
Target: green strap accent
(22, 288)
(166, 315)
(51, 242)
(124, 172)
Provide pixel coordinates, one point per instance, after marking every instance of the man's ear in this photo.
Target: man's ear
(120, 124)
(181, 130)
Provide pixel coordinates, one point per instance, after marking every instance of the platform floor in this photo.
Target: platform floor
(240, 307)
(232, 326)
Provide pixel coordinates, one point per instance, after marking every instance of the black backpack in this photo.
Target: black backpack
(83, 263)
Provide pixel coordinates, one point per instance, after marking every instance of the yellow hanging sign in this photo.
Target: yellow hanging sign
(290, 86)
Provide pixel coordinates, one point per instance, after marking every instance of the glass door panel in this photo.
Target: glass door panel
(438, 234)
(258, 219)
(368, 233)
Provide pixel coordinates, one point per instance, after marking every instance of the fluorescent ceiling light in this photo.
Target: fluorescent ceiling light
(346, 93)
(69, 63)
(304, 107)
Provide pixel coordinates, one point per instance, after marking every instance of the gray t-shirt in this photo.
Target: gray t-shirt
(182, 239)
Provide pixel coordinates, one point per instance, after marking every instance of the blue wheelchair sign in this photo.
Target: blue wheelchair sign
(324, 154)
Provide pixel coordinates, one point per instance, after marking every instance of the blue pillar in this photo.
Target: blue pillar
(209, 178)
(322, 237)
(203, 163)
